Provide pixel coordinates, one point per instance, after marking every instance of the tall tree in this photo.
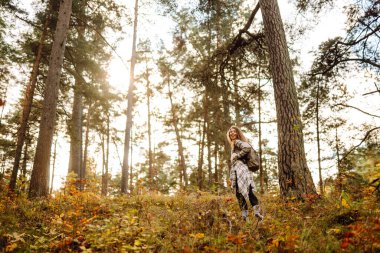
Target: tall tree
(39, 183)
(294, 175)
(151, 173)
(131, 88)
(76, 123)
(174, 121)
(27, 102)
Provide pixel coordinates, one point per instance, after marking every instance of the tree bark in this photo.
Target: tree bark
(150, 155)
(24, 163)
(104, 175)
(209, 154)
(124, 171)
(260, 143)
(130, 164)
(339, 177)
(200, 153)
(182, 164)
(319, 144)
(53, 171)
(27, 104)
(76, 124)
(294, 176)
(236, 95)
(39, 183)
(216, 171)
(75, 161)
(107, 152)
(86, 142)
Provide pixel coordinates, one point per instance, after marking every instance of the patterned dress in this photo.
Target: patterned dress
(239, 171)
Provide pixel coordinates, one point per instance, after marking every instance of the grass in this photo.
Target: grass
(188, 222)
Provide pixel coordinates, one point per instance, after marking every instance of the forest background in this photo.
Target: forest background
(183, 73)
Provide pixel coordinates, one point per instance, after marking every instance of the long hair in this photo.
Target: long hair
(240, 136)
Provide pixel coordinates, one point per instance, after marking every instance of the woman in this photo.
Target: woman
(240, 177)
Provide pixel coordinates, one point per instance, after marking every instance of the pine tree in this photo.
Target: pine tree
(294, 175)
(39, 183)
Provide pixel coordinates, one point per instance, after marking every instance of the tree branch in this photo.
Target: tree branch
(352, 149)
(256, 122)
(362, 60)
(238, 40)
(352, 43)
(369, 93)
(357, 109)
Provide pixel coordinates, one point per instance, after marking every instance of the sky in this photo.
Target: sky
(159, 28)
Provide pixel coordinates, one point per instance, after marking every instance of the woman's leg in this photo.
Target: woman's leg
(255, 204)
(252, 197)
(242, 202)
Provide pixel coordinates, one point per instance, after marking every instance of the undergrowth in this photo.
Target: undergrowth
(74, 221)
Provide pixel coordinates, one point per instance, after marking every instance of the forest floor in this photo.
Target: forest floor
(189, 222)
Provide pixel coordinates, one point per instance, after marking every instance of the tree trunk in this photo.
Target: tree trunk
(53, 170)
(39, 183)
(236, 95)
(339, 177)
(203, 136)
(24, 163)
(86, 142)
(260, 144)
(200, 154)
(104, 175)
(209, 155)
(216, 171)
(75, 161)
(182, 164)
(27, 104)
(130, 164)
(150, 157)
(76, 124)
(105, 156)
(2, 166)
(294, 176)
(107, 153)
(319, 144)
(124, 171)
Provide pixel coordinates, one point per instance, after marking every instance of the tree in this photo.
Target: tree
(294, 176)
(39, 183)
(358, 49)
(27, 103)
(131, 88)
(76, 122)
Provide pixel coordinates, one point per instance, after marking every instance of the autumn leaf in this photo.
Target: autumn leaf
(237, 239)
(345, 204)
(345, 200)
(198, 235)
(10, 247)
(346, 241)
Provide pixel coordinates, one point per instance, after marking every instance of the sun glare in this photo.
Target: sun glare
(118, 75)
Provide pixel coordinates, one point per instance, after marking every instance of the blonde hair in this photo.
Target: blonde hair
(240, 135)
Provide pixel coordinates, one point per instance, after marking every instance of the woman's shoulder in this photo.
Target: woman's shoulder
(240, 143)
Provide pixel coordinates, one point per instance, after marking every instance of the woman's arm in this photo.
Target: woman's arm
(244, 148)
